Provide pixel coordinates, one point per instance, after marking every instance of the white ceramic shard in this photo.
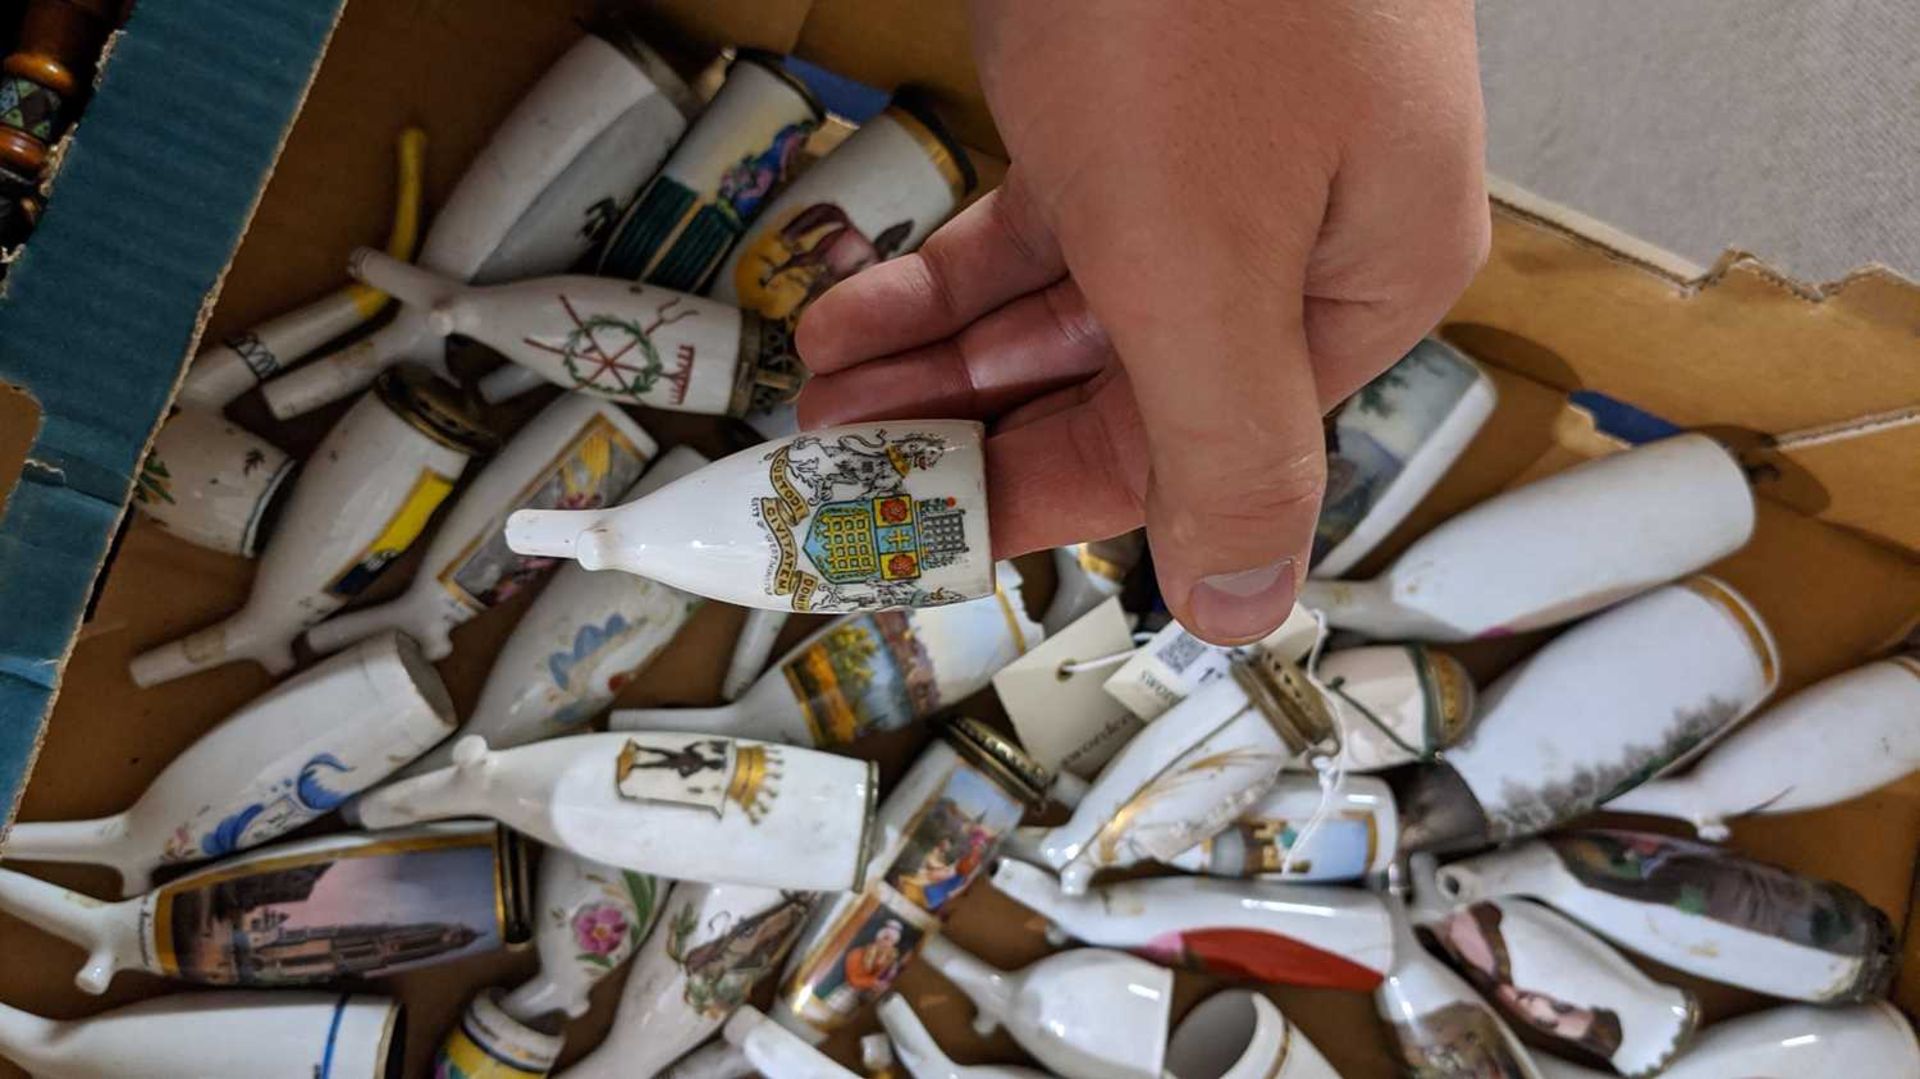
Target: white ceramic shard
(265, 770)
(690, 807)
(866, 673)
(1085, 1014)
(1088, 574)
(364, 496)
(1436, 1022)
(1603, 707)
(584, 636)
(1833, 741)
(1263, 931)
(1390, 443)
(875, 196)
(1533, 556)
(1358, 837)
(718, 942)
(916, 1050)
(1550, 977)
(1699, 909)
(935, 834)
(578, 453)
(590, 918)
(854, 518)
(585, 92)
(1791, 1041)
(1190, 773)
(359, 905)
(214, 1035)
(212, 483)
(744, 146)
(490, 1042)
(1237, 1034)
(224, 371)
(637, 344)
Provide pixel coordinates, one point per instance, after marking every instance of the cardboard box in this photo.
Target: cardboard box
(1817, 385)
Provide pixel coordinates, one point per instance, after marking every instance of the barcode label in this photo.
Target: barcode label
(1180, 652)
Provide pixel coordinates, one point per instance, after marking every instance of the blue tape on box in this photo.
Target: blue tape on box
(98, 314)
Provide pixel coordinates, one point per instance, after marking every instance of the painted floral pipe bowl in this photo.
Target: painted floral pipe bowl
(688, 807)
(717, 944)
(856, 518)
(349, 906)
(591, 918)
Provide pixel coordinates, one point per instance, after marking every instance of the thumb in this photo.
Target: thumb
(1237, 466)
(1210, 327)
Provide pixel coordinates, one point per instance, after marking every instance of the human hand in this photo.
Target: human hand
(1221, 219)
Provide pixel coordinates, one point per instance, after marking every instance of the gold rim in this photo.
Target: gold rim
(943, 153)
(1002, 760)
(770, 63)
(1722, 595)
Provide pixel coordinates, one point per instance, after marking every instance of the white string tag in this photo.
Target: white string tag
(1175, 663)
(1330, 771)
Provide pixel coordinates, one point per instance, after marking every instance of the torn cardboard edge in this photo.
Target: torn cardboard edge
(49, 527)
(1674, 268)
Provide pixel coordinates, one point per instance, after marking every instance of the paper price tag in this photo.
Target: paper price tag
(1175, 663)
(1066, 720)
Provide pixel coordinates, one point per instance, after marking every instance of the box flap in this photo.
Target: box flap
(104, 305)
(1801, 377)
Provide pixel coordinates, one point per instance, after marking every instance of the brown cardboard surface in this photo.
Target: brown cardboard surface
(1743, 350)
(1552, 312)
(19, 422)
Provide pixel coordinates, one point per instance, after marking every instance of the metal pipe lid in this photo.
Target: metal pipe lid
(1283, 693)
(434, 408)
(997, 755)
